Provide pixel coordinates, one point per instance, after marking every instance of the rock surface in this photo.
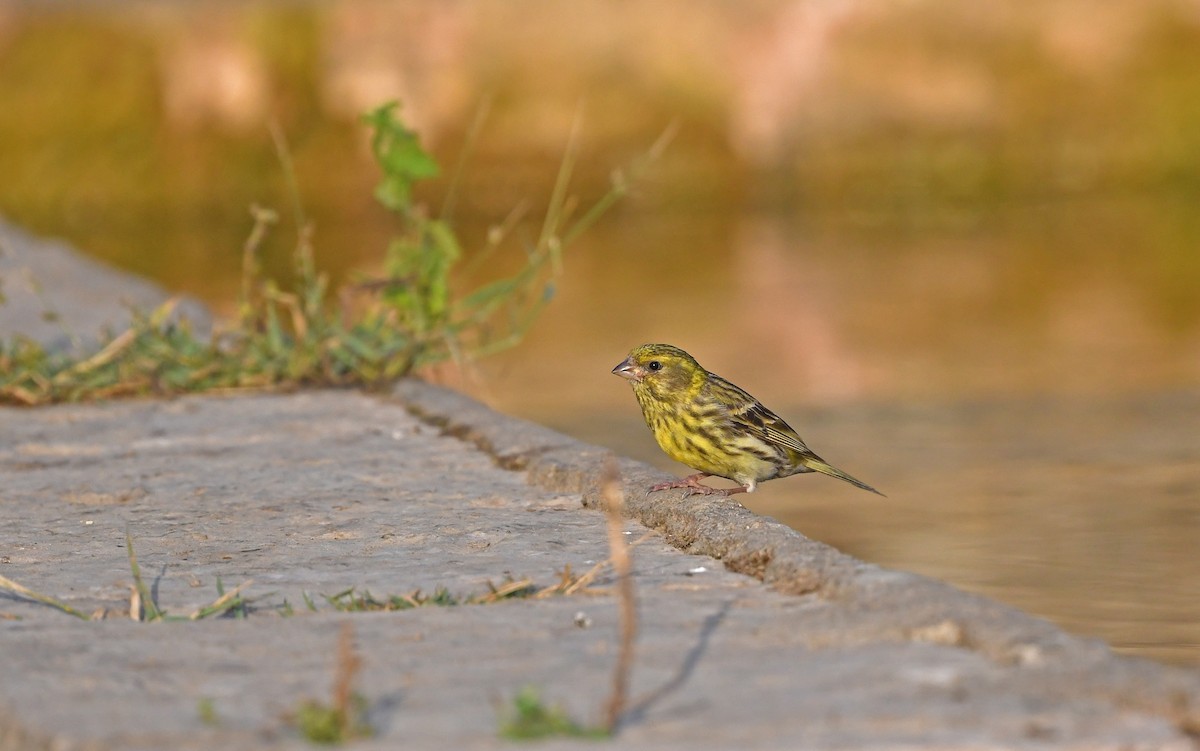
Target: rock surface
(315, 493)
(55, 295)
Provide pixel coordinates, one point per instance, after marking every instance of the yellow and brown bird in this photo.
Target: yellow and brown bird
(704, 421)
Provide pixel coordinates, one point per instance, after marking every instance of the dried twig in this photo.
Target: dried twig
(614, 503)
(348, 665)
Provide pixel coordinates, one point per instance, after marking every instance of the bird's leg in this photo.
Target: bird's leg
(693, 485)
(747, 488)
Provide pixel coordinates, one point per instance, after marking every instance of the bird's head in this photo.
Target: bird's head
(661, 369)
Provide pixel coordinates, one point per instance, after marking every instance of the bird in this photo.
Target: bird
(704, 421)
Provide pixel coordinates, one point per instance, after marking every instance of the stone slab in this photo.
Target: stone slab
(751, 635)
(55, 295)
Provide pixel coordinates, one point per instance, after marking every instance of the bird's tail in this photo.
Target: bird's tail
(816, 464)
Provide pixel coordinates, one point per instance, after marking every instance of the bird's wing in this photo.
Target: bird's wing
(749, 414)
(771, 428)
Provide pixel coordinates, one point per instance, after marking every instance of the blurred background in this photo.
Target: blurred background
(956, 244)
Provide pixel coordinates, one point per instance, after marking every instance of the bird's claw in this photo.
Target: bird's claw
(692, 488)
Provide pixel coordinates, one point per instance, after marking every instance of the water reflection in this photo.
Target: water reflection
(793, 301)
(828, 313)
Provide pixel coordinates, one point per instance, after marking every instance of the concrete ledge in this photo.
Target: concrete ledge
(878, 605)
(66, 301)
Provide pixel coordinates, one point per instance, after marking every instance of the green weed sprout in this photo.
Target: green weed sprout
(531, 718)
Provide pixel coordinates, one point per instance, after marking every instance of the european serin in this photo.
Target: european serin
(707, 423)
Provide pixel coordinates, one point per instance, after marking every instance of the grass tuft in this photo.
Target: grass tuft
(207, 710)
(351, 600)
(367, 334)
(142, 605)
(530, 718)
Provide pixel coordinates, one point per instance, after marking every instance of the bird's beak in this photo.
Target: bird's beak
(628, 369)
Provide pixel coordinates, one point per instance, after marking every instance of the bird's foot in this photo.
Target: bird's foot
(693, 486)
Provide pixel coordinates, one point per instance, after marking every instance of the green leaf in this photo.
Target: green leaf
(400, 156)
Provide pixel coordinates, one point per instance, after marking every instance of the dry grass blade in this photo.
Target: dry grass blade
(348, 665)
(230, 599)
(507, 589)
(12, 586)
(557, 210)
(104, 356)
(22, 395)
(411, 599)
(571, 584)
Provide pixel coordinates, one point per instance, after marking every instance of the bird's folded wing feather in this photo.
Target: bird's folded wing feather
(765, 424)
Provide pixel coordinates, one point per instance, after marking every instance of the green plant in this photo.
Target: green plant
(207, 711)
(344, 717)
(351, 600)
(369, 334)
(530, 718)
(142, 605)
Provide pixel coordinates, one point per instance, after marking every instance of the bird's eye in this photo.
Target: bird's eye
(655, 365)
